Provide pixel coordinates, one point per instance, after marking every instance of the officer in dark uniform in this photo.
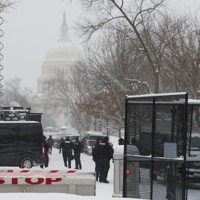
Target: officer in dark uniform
(66, 148)
(121, 141)
(50, 141)
(95, 157)
(105, 154)
(77, 147)
(135, 143)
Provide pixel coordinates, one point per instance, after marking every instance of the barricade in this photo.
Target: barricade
(52, 181)
(118, 175)
(133, 185)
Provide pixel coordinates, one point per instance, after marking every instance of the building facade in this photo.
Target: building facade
(60, 58)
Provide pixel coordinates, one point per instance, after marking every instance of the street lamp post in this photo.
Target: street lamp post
(108, 132)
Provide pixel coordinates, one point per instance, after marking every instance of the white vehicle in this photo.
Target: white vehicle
(89, 140)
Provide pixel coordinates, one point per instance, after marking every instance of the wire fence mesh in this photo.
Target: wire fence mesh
(159, 127)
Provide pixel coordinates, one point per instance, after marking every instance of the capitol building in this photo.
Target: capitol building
(61, 57)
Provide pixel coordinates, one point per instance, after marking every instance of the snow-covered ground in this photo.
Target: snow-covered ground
(103, 191)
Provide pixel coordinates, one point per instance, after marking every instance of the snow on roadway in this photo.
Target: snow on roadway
(103, 191)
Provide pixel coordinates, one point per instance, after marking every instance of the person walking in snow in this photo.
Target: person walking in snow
(77, 147)
(66, 148)
(105, 154)
(46, 152)
(50, 141)
(121, 141)
(95, 157)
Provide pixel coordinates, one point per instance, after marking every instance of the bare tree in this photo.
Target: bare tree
(183, 58)
(5, 4)
(104, 78)
(166, 48)
(137, 14)
(65, 97)
(13, 91)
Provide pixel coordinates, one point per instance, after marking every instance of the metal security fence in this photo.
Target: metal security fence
(160, 127)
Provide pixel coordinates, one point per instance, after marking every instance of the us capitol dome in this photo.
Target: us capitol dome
(62, 56)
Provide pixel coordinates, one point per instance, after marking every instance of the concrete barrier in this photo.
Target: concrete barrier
(133, 178)
(52, 181)
(118, 159)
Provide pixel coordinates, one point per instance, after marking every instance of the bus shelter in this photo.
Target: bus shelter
(161, 127)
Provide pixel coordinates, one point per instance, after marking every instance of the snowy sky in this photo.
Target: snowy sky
(30, 29)
(33, 26)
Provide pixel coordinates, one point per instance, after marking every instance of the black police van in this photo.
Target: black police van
(21, 138)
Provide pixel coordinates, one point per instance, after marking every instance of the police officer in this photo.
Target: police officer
(105, 154)
(50, 141)
(95, 157)
(66, 148)
(135, 143)
(77, 147)
(121, 141)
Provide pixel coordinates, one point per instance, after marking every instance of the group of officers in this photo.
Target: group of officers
(70, 150)
(102, 153)
(67, 147)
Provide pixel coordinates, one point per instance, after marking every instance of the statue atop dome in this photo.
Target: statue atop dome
(64, 30)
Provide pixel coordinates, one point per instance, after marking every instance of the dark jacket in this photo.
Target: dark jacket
(95, 153)
(77, 147)
(66, 147)
(46, 148)
(50, 141)
(104, 151)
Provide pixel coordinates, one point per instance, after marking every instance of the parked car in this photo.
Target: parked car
(89, 145)
(89, 142)
(21, 141)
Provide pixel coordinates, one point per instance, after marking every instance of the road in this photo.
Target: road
(56, 162)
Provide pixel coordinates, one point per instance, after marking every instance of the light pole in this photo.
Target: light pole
(107, 132)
